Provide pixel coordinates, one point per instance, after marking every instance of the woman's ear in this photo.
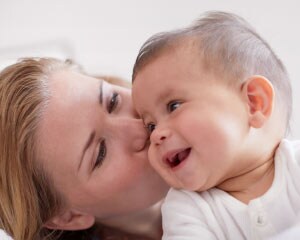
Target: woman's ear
(259, 94)
(70, 220)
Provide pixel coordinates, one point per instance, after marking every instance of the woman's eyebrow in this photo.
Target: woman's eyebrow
(101, 93)
(93, 134)
(86, 146)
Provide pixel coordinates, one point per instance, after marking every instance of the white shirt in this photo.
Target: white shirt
(292, 233)
(214, 214)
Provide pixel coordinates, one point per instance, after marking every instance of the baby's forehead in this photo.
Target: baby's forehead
(172, 46)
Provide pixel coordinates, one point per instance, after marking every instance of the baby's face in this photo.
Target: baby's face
(196, 123)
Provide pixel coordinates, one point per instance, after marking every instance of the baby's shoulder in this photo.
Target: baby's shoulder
(289, 149)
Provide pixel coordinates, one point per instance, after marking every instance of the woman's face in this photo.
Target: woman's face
(95, 148)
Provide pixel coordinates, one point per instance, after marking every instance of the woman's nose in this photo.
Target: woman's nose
(131, 132)
(159, 135)
(127, 108)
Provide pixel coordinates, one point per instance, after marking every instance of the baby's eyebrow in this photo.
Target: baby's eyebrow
(164, 95)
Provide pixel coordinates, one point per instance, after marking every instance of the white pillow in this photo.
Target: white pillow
(4, 236)
(56, 49)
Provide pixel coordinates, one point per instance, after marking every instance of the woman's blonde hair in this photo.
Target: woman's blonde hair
(27, 198)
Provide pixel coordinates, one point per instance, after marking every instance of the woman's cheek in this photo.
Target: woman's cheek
(152, 157)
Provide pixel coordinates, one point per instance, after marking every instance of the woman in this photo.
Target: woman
(73, 152)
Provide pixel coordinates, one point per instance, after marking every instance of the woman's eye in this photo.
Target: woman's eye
(113, 103)
(173, 105)
(150, 127)
(101, 155)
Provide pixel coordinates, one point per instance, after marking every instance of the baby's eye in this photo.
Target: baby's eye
(173, 105)
(150, 127)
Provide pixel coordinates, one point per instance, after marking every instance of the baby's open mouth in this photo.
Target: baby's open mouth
(177, 158)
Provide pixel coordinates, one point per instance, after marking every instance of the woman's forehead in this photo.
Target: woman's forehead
(65, 82)
(68, 117)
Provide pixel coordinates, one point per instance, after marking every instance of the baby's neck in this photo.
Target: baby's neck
(251, 184)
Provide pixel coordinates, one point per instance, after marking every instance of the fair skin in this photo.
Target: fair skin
(94, 148)
(205, 133)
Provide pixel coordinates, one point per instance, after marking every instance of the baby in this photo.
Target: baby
(216, 101)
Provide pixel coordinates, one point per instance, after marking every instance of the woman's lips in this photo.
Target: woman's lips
(174, 158)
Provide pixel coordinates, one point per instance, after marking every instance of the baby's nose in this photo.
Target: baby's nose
(159, 135)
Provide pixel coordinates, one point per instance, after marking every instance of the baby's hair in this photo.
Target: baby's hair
(229, 47)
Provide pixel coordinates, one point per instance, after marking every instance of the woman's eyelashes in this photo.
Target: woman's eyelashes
(101, 154)
(111, 106)
(113, 102)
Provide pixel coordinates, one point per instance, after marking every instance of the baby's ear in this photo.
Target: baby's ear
(259, 94)
(70, 220)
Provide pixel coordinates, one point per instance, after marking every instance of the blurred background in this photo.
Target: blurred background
(105, 36)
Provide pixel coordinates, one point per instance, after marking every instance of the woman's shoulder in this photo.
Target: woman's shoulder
(99, 232)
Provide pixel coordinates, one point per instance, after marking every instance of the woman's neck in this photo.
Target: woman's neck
(146, 223)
